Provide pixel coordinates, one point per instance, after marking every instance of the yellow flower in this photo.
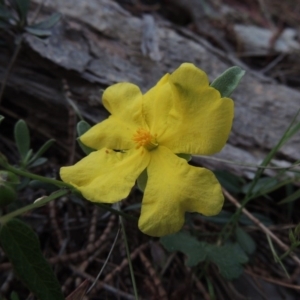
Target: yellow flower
(181, 114)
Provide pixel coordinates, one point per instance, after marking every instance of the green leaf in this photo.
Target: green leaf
(142, 181)
(4, 25)
(38, 32)
(194, 250)
(290, 198)
(228, 258)
(1, 118)
(4, 13)
(7, 194)
(22, 247)
(48, 187)
(48, 23)
(22, 138)
(83, 127)
(222, 218)
(42, 150)
(9, 178)
(262, 185)
(261, 217)
(185, 156)
(230, 182)
(14, 296)
(245, 241)
(227, 82)
(22, 9)
(38, 162)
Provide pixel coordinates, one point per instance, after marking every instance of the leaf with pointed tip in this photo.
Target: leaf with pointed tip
(38, 32)
(142, 181)
(48, 23)
(227, 82)
(42, 150)
(22, 247)
(22, 9)
(83, 127)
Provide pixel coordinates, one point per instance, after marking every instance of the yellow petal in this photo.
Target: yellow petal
(158, 106)
(187, 114)
(105, 175)
(173, 188)
(124, 101)
(112, 133)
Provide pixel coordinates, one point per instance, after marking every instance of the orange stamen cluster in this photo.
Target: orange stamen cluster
(143, 138)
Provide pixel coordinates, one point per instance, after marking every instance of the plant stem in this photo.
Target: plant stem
(115, 211)
(18, 40)
(58, 183)
(34, 205)
(128, 256)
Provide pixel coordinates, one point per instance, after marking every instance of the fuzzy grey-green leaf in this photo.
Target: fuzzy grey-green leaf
(22, 247)
(48, 23)
(38, 32)
(227, 82)
(83, 127)
(22, 138)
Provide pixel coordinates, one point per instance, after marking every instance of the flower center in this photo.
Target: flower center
(143, 138)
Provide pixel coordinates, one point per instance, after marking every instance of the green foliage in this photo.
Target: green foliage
(7, 194)
(14, 296)
(185, 156)
(1, 118)
(195, 251)
(8, 184)
(48, 23)
(22, 7)
(294, 196)
(229, 258)
(245, 241)
(43, 28)
(83, 127)
(263, 186)
(15, 17)
(22, 247)
(142, 181)
(230, 182)
(227, 82)
(22, 138)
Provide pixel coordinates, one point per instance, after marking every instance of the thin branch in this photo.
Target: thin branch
(261, 226)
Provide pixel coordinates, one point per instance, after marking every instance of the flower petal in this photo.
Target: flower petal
(124, 101)
(105, 175)
(157, 106)
(206, 118)
(173, 188)
(190, 116)
(112, 133)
